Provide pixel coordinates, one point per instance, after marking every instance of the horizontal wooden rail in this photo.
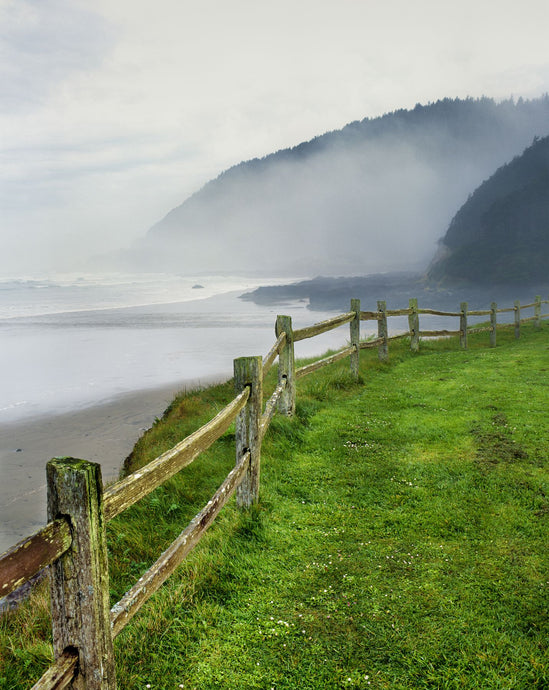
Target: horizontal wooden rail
(61, 674)
(369, 316)
(309, 368)
(29, 556)
(126, 492)
(502, 311)
(435, 334)
(399, 336)
(436, 312)
(398, 312)
(527, 306)
(270, 408)
(147, 585)
(366, 344)
(273, 353)
(480, 312)
(528, 318)
(323, 326)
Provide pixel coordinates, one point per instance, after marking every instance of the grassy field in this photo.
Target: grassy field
(400, 540)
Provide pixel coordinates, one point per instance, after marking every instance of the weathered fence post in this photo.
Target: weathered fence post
(537, 312)
(383, 349)
(493, 323)
(286, 365)
(517, 319)
(463, 326)
(248, 371)
(79, 580)
(355, 338)
(413, 325)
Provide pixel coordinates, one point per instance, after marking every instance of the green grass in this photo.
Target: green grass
(400, 540)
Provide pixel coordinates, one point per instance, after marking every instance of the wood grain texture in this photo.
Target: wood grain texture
(124, 493)
(148, 584)
(315, 366)
(61, 674)
(31, 555)
(79, 580)
(323, 326)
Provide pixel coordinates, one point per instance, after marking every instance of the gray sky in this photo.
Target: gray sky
(112, 112)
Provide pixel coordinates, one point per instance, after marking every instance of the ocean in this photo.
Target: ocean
(73, 342)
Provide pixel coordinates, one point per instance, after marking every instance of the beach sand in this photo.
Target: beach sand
(104, 433)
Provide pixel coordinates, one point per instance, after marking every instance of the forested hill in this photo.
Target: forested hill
(501, 234)
(370, 197)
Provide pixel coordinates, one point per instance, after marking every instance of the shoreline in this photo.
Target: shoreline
(105, 432)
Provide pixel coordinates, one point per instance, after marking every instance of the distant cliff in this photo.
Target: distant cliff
(501, 234)
(370, 197)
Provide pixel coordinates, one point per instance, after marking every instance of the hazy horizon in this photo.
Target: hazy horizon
(113, 114)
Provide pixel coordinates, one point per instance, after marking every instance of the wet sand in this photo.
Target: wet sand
(104, 433)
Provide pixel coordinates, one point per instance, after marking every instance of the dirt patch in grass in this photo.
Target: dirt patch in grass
(495, 444)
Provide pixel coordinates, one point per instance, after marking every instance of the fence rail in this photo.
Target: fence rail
(73, 543)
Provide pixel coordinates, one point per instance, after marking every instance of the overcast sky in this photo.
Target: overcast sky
(112, 112)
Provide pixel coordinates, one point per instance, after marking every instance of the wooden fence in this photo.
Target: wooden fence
(73, 543)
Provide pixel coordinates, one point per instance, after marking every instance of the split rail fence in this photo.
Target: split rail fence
(73, 543)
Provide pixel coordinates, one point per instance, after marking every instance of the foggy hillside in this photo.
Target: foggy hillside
(373, 196)
(501, 234)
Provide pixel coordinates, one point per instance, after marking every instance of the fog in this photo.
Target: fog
(353, 202)
(112, 113)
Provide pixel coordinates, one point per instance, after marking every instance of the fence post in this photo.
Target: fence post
(463, 326)
(79, 580)
(517, 319)
(248, 371)
(383, 350)
(493, 323)
(286, 365)
(355, 338)
(413, 325)
(537, 312)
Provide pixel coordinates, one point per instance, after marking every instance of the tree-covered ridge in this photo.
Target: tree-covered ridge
(502, 232)
(370, 197)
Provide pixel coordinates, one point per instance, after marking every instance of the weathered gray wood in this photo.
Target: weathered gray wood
(323, 326)
(79, 580)
(517, 319)
(248, 374)
(506, 309)
(367, 344)
(383, 350)
(286, 365)
(273, 353)
(436, 312)
(537, 312)
(315, 366)
(398, 336)
(480, 312)
(369, 315)
(463, 326)
(149, 583)
(397, 312)
(28, 557)
(270, 409)
(61, 674)
(527, 306)
(413, 324)
(436, 334)
(493, 323)
(355, 338)
(124, 493)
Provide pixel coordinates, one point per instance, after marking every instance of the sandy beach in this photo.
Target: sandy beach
(104, 433)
